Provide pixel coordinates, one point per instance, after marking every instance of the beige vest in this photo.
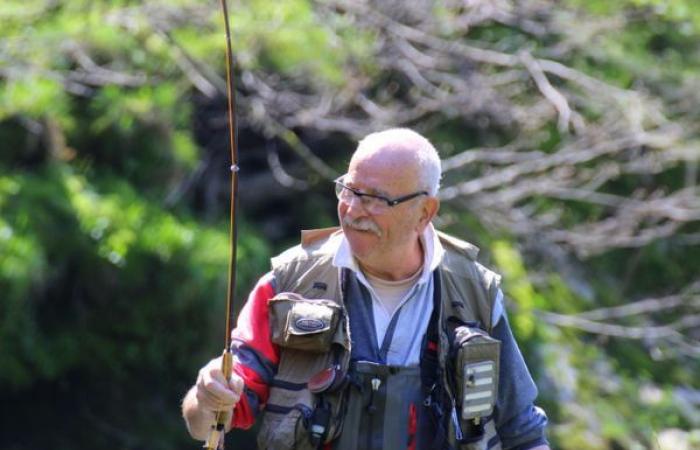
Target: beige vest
(467, 293)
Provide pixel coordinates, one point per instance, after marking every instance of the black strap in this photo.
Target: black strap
(319, 423)
(431, 373)
(429, 362)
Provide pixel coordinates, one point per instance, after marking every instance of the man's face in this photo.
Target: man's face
(378, 238)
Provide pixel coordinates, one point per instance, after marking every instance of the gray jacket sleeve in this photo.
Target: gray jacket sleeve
(519, 423)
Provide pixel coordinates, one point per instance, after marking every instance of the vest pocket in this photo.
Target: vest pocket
(303, 324)
(478, 357)
(280, 431)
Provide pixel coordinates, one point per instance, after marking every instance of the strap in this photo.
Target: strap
(431, 378)
(429, 362)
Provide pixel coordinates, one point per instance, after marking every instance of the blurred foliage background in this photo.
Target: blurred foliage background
(569, 131)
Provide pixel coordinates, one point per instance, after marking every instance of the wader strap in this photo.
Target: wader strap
(429, 363)
(358, 304)
(433, 391)
(388, 337)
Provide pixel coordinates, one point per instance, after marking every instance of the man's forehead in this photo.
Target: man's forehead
(395, 158)
(383, 172)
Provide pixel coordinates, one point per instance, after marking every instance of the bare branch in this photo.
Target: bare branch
(646, 306)
(630, 332)
(558, 101)
(281, 175)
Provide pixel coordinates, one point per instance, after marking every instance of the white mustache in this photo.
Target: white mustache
(362, 225)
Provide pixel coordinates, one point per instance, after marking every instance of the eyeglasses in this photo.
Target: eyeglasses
(375, 204)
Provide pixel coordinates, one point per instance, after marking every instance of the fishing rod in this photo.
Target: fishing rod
(218, 428)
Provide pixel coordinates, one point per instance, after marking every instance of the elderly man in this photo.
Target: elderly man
(384, 334)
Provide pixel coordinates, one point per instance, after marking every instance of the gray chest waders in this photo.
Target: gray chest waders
(382, 408)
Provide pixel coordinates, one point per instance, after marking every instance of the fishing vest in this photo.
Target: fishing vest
(320, 399)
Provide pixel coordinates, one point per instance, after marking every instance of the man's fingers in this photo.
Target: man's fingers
(213, 391)
(213, 370)
(214, 402)
(236, 384)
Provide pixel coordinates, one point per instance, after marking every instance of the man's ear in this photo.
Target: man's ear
(429, 210)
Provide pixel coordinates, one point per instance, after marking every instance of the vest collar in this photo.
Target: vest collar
(433, 254)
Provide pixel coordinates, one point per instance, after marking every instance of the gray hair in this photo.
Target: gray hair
(427, 157)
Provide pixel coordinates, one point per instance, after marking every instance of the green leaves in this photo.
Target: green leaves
(121, 255)
(34, 96)
(517, 287)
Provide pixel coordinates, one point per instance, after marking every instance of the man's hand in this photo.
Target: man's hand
(212, 390)
(210, 394)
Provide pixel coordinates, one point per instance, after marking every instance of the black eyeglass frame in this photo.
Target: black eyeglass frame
(389, 201)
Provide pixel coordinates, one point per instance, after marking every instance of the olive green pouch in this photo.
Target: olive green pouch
(477, 364)
(303, 324)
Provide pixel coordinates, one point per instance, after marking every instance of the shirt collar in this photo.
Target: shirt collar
(432, 255)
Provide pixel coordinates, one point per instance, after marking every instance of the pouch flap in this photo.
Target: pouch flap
(308, 318)
(303, 324)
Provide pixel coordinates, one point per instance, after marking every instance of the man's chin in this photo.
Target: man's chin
(361, 242)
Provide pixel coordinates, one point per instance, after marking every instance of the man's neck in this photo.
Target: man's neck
(397, 267)
(390, 294)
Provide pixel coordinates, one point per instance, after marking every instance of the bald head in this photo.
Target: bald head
(410, 151)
